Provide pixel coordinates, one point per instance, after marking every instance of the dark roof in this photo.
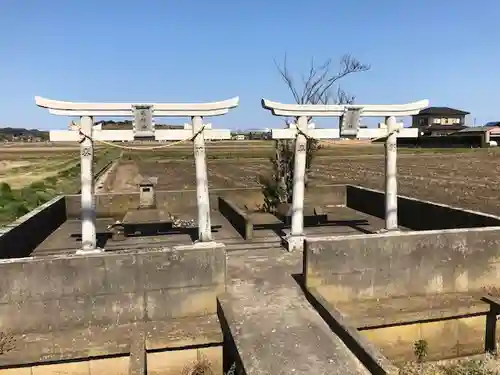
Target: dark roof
(442, 111)
(475, 129)
(444, 127)
(127, 125)
(492, 123)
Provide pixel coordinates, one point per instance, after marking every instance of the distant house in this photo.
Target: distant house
(439, 121)
(487, 133)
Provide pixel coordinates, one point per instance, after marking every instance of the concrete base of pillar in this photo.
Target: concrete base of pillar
(396, 230)
(86, 252)
(199, 245)
(294, 242)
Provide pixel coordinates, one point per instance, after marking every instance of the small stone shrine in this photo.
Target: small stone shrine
(147, 194)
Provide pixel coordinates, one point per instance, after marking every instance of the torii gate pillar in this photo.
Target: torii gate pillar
(391, 182)
(89, 237)
(296, 238)
(204, 222)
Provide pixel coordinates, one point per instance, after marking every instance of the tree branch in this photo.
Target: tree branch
(317, 85)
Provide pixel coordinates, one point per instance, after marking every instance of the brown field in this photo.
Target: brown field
(463, 177)
(467, 177)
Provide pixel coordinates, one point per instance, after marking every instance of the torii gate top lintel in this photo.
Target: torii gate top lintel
(337, 110)
(64, 108)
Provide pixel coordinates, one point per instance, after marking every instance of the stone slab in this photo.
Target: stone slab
(146, 216)
(292, 338)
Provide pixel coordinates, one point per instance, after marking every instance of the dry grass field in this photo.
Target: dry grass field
(31, 175)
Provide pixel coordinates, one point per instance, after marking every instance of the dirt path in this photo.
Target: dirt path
(125, 178)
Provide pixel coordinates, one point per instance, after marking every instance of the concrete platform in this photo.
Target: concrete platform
(66, 238)
(274, 328)
(268, 233)
(341, 221)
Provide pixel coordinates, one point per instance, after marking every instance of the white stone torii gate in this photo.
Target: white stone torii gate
(304, 111)
(143, 114)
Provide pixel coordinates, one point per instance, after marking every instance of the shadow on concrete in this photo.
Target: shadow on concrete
(101, 238)
(230, 355)
(148, 230)
(278, 228)
(368, 355)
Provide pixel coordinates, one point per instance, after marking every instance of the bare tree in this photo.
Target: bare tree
(319, 86)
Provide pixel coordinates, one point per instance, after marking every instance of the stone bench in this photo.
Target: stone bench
(146, 222)
(237, 217)
(245, 223)
(312, 215)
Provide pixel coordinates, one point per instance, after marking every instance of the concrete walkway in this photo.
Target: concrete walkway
(275, 329)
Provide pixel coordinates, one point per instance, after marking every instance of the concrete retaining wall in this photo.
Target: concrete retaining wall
(116, 205)
(401, 288)
(411, 263)
(109, 289)
(19, 238)
(237, 217)
(325, 195)
(417, 214)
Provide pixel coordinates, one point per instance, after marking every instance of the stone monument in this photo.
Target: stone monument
(147, 194)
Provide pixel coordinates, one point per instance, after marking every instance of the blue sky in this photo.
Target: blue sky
(199, 50)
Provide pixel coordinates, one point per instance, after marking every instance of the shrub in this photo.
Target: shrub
(5, 189)
(420, 350)
(7, 342)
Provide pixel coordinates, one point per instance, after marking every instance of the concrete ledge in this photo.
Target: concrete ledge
(237, 217)
(96, 366)
(376, 313)
(368, 354)
(446, 338)
(19, 238)
(100, 342)
(417, 214)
